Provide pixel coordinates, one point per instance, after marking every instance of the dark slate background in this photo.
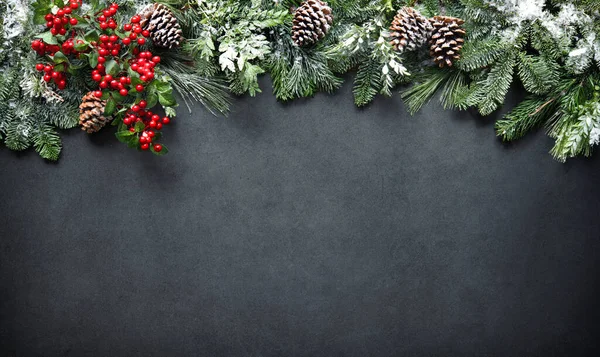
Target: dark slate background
(306, 229)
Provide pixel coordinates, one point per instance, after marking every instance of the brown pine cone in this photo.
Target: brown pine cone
(447, 40)
(312, 21)
(91, 113)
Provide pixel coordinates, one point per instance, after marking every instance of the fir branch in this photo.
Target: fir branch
(527, 115)
(427, 85)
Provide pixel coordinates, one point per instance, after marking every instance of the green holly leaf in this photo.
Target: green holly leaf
(163, 152)
(48, 38)
(60, 57)
(110, 107)
(80, 46)
(166, 99)
(124, 136)
(151, 99)
(93, 58)
(139, 127)
(92, 36)
(112, 67)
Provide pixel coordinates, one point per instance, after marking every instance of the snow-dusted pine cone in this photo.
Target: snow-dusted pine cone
(409, 29)
(447, 40)
(91, 113)
(312, 20)
(164, 29)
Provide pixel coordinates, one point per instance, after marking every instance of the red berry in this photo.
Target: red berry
(60, 13)
(55, 75)
(73, 21)
(102, 18)
(136, 19)
(141, 41)
(157, 147)
(126, 41)
(127, 121)
(114, 52)
(53, 31)
(145, 146)
(49, 17)
(62, 31)
(156, 59)
(97, 94)
(104, 38)
(134, 67)
(74, 5)
(103, 25)
(142, 104)
(145, 33)
(67, 10)
(112, 25)
(152, 124)
(97, 77)
(47, 78)
(108, 78)
(100, 67)
(135, 108)
(113, 38)
(101, 60)
(166, 120)
(158, 126)
(39, 67)
(48, 69)
(123, 92)
(49, 24)
(127, 27)
(132, 129)
(133, 35)
(103, 84)
(151, 133)
(144, 78)
(62, 85)
(139, 88)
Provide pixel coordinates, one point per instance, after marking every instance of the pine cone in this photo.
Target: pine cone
(164, 29)
(91, 113)
(312, 20)
(447, 40)
(409, 29)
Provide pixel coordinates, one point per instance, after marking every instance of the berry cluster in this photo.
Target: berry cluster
(60, 78)
(123, 68)
(59, 24)
(152, 123)
(56, 23)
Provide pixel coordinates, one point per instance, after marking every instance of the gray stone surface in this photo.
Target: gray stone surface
(305, 229)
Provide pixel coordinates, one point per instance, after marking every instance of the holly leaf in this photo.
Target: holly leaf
(124, 136)
(166, 99)
(48, 38)
(112, 67)
(110, 107)
(93, 58)
(163, 152)
(139, 127)
(92, 36)
(151, 99)
(60, 57)
(80, 46)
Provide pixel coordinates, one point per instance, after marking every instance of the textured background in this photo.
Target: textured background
(307, 229)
